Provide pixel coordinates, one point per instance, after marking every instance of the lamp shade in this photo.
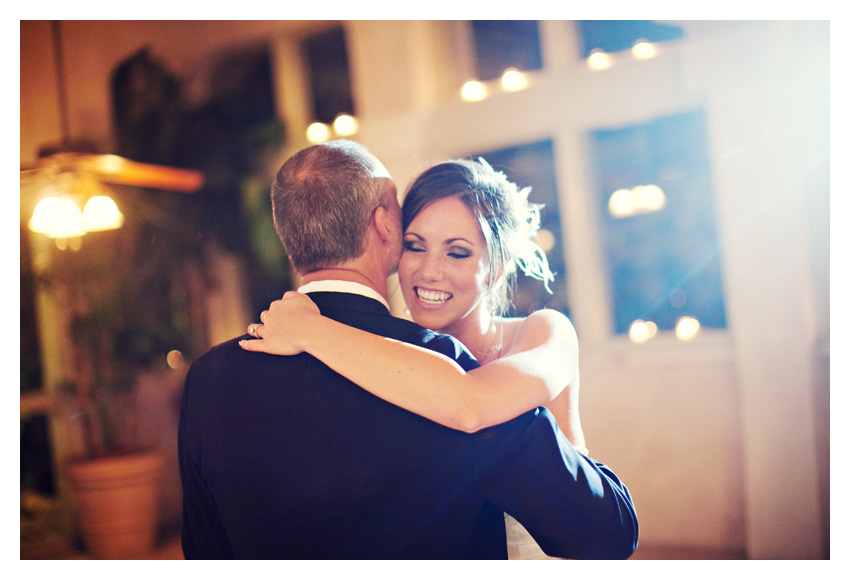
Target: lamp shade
(57, 218)
(101, 213)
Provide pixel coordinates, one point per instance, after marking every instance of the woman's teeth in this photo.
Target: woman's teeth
(432, 296)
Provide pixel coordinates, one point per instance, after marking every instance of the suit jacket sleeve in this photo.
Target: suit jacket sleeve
(573, 506)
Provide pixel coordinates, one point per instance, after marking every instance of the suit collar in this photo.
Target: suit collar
(337, 301)
(343, 286)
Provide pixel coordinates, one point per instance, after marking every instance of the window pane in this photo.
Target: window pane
(327, 59)
(615, 35)
(502, 44)
(533, 165)
(662, 262)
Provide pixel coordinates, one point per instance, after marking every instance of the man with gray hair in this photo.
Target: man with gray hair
(280, 457)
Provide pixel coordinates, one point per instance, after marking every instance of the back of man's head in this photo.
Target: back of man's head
(323, 199)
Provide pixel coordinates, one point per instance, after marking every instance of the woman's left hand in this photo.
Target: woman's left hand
(279, 331)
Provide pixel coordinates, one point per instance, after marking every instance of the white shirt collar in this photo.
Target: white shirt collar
(343, 286)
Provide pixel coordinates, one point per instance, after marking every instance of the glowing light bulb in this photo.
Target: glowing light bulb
(687, 327)
(513, 80)
(621, 203)
(174, 359)
(644, 50)
(345, 125)
(473, 91)
(318, 132)
(651, 198)
(642, 330)
(639, 199)
(598, 60)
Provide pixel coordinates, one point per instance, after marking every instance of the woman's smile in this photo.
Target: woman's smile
(432, 297)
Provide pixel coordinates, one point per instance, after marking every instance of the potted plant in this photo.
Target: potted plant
(132, 297)
(125, 294)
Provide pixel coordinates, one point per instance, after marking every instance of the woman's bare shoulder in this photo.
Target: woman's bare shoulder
(548, 318)
(542, 326)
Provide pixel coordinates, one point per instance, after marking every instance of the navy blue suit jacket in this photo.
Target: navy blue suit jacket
(280, 457)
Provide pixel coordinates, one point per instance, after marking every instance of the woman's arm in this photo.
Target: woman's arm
(540, 363)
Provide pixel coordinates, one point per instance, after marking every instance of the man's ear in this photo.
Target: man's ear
(383, 223)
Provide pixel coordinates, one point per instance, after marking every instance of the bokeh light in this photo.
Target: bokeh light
(650, 198)
(174, 359)
(621, 203)
(642, 330)
(473, 91)
(644, 50)
(514, 80)
(639, 199)
(318, 133)
(687, 327)
(345, 125)
(598, 59)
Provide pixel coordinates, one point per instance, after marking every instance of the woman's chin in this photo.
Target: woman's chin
(431, 316)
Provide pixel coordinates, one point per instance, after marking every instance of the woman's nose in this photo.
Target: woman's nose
(432, 268)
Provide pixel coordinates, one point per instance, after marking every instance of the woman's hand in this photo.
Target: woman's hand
(280, 330)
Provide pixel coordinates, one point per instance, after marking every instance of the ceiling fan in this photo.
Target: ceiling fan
(74, 169)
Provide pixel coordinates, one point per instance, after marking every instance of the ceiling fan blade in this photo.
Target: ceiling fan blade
(121, 171)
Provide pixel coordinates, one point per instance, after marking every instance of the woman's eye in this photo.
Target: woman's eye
(413, 247)
(459, 254)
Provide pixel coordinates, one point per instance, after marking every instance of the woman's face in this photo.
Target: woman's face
(444, 266)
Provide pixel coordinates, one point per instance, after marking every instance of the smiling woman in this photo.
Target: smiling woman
(467, 232)
(444, 274)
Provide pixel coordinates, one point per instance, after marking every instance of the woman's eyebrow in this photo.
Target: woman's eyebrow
(445, 243)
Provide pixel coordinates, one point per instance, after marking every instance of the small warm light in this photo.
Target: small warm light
(57, 218)
(174, 359)
(687, 327)
(651, 198)
(638, 200)
(621, 203)
(642, 330)
(345, 125)
(101, 213)
(473, 91)
(318, 132)
(598, 59)
(644, 50)
(513, 80)
(545, 239)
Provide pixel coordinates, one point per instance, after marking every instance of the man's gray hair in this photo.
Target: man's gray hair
(323, 199)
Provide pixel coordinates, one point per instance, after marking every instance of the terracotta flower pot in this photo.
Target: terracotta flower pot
(117, 501)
